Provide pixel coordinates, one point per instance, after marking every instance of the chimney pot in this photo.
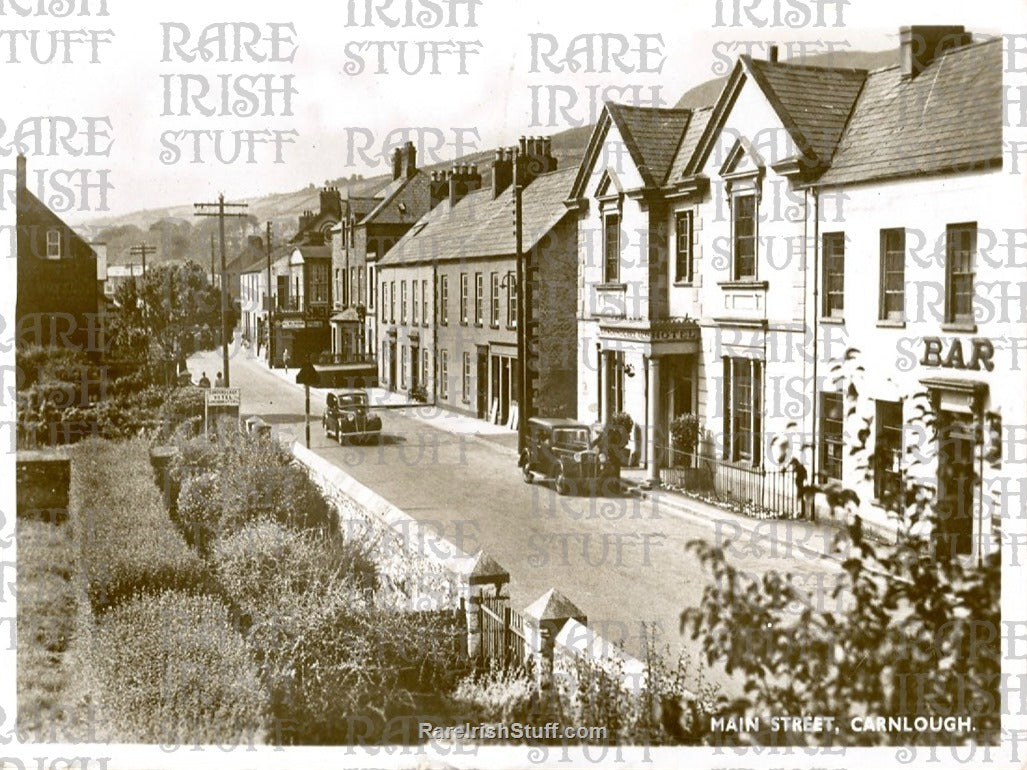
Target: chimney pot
(773, 53)
(22, 174)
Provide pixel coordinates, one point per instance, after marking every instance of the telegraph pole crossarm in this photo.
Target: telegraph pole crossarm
(204, 210)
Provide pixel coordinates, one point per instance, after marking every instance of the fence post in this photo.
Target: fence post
(543, 620)
(482, 576)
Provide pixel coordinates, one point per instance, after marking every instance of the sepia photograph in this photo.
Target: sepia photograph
(480, 383)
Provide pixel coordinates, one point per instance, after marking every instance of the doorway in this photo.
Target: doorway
(955, 483)
(481, 392)
(392, 366)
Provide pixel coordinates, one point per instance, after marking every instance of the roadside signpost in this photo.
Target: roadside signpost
(219, 403)
(307, 376)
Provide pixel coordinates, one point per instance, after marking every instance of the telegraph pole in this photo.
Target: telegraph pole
(142, 250)
(220, 214)
(522, 344)
(212, 259)
(270, 308)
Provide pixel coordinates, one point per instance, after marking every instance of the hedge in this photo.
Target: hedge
(173, 670)
(126, 541)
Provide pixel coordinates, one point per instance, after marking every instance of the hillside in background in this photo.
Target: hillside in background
(177, 235)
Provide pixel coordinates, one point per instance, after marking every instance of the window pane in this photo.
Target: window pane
(744, 215)
(888, 455)
(893, 274)
(611, 248)
(961, 245)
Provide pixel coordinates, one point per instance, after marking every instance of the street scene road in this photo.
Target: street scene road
(623, 560)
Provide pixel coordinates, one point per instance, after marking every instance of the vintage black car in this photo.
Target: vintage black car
(562, 449)
(348, 415)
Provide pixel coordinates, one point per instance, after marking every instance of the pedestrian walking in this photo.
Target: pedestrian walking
(204, 382)
(219, 381)
(285, 360)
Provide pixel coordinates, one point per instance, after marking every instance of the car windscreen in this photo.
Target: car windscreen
(351, 401)
(570, 436)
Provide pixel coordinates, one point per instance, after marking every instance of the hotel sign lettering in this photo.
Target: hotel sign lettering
(936, 353)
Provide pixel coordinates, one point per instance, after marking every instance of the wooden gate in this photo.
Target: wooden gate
(503, 632)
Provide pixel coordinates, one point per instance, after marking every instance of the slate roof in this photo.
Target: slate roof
(814, 103)
(689, 143)
(403, 201)
(482, 226)
(949, 117)
(652, 135)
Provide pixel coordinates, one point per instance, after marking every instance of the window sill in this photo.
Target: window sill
(890, 323)
(745, 283)
(684, 284)
(960, 326)
(611, 286)
(833, 320)
(493, 326)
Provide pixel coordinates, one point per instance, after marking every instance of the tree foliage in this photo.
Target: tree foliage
(163, 314)
(909, 629)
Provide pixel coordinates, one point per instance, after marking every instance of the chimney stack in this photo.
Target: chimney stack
(773, 53)
(23, 174)
(409, 160)
(463, 180)
(439, 187)
(534, 159)
(502, 171)
(331, 202)
(921, 45)
(397, 163)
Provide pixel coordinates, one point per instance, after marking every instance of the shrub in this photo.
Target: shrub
(338, 672)
(498, 694)
(266, 564)
(182, 410)
(684, 430)
(126, 541)
(236, 479)
(172, 670)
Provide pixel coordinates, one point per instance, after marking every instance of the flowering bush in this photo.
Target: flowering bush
(172, 670)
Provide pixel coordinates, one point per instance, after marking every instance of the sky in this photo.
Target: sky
(337, 118)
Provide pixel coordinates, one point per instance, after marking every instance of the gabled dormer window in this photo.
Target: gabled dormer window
(743, 173)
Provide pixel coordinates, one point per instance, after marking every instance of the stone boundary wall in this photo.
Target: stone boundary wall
(418, 569)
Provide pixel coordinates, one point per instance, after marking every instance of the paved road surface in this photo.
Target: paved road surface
(622, 561)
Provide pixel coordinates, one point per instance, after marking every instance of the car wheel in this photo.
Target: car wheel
(527, 474)
(563, 485)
